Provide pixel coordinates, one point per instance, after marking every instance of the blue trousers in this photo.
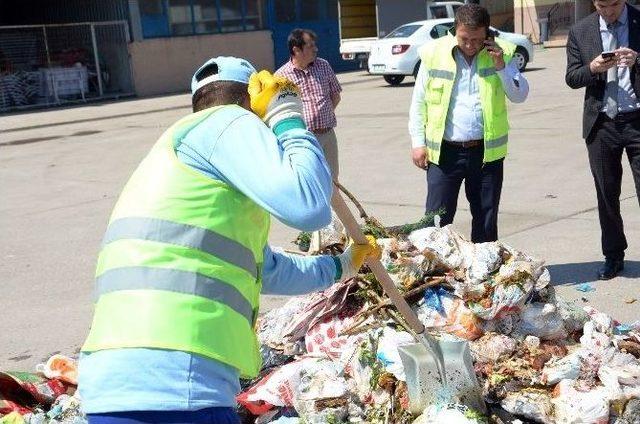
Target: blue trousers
(482, 183)
(202, 416)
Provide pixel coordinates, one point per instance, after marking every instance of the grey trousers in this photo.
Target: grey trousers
(329, 145)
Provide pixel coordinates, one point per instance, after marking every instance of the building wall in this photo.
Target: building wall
(166, 65)
(501, 13)
(528, 12)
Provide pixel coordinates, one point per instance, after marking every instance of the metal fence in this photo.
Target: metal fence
(43, 65)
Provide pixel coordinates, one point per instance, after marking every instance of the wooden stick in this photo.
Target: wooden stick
(353, 229)
(363, 213)
(360, 328)
(407, 295)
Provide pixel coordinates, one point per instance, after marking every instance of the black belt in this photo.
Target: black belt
(625, 116)
(464, 144)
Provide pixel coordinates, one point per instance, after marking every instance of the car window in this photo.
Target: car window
(439, 12)
(440, 30)
(403, 31)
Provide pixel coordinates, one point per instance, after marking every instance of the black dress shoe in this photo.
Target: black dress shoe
(610, 269)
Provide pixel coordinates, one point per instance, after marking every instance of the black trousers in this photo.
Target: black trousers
(482, 183)
(606, 144)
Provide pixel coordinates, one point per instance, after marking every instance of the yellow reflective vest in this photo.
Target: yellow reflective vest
(180, 262)
(438, 58)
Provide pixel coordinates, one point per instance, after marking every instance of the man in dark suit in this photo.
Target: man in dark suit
(611, 118)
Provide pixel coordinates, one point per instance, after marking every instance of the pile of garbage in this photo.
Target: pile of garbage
(47, 396)
(332, 357)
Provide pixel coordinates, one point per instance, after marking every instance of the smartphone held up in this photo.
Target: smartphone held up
(608, 55)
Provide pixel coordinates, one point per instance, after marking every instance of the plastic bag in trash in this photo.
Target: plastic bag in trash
(579, 407)
(333, 233)
(60, 367)
(326, 338)
(541, 320)
(533, 404)
(594, 341)
(432, 299)
(275, 389)
(273, 325)
(558, 369)
(441, 310)
(621, 375)
(320, 379)
(481, 260)
(66, 409)
(387, 352)
(602, 322)
(574, 317)
(504, 299)
(286, 420)
(450, 414)
(322, 394)
(506, 323)
(439, 245)
(272, 358)
(490, 347)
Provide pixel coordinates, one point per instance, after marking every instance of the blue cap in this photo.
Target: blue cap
(229, 68)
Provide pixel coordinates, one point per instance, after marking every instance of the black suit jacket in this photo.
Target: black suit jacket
(583, 45)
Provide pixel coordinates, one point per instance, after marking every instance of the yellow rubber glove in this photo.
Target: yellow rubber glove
(354, 256)
(276, 100)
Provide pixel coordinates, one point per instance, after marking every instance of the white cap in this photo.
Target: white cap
(229, 68)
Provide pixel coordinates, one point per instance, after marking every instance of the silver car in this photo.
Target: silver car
(396, 55)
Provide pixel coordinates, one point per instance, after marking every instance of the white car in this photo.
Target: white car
(396, 55)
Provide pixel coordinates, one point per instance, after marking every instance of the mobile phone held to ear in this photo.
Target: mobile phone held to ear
(491, 34)
(490, 38)
(608, 55)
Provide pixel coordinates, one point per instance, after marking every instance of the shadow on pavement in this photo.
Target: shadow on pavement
(402, 84)
(533, 69)
(578, 273)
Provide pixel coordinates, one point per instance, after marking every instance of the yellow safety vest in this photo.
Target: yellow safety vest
(181, 261)
(438, 58)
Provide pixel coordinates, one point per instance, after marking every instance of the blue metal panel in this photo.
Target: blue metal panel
(30, 12)
(325, 26)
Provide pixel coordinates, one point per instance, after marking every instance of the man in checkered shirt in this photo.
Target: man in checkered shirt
(320, 90)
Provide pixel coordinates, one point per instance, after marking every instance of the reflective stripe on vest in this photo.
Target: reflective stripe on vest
(174, 280)
(184, 235)
(486, 72)
(439, 73)
(180, 262)
(496, 143)
(438, 57)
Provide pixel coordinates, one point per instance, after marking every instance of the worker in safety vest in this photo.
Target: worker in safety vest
(458, 118)
(185, 256)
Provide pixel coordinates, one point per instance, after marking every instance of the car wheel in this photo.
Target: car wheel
(521, 58)
(394, 79)
(416, 69)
